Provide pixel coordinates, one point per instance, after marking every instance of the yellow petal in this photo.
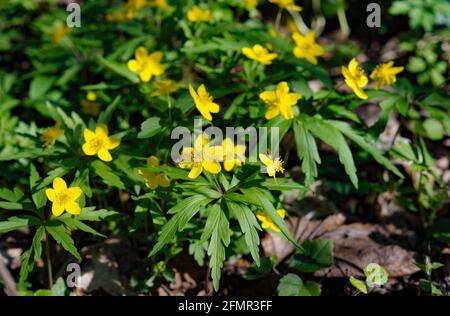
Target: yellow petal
(268, 96)
(59, 184)
(163, 180)
(112, 143)
(152, 182)
(141, 54)
(195, 171)
(89, 150)
(152, 161)
(50, 193)
(57, 209)
(265, 159)
(228, 165)
(74, 192)
(101, 130)
(133, 65)
(211, 166)
(145, 75)
(272, 112)
(104, 155)
(156, 56)
(88, 134)
(73, 208)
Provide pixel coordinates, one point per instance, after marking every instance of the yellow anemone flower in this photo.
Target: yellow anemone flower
(260, 54)
(91, 96)
(165, 87)
(196, 14)
(147, 65)
(306, 47)
(162, 4)
(152, 179)
(287, 4)
(266, 221)
(98, 143)
(51, 134)
(273, 165)
(251, 4)
(63, 198)
(233, 155)
(385, 74)
(355, 78)
(201, 156)
(280, 101)
(59, 32)
(204, 102)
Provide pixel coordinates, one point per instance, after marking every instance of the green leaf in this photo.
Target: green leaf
(26, 265)
(184, 211)
(359, 285)
(332, 136)
(75, 223)
(375, 274)
(19, 221)
(313, 255)
(249, 226)
(58, 232)
(365, 144)
(120, 69)
(37, 242)
(217, 226)
(38, 196)
(310, 288)
(39, 86)
(257, 197)
(108, 176)
(290, 285)
(306, 151)
(433, 129)
(416, 64)
(106, 115)
(90, 214)
(150, 127)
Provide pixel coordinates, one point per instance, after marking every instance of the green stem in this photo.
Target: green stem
(169, 104)
(345, 29)
(278, 19)
(49, 261)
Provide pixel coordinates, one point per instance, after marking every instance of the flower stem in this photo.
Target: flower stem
(49, 261)
(345, 29)
(278, 19)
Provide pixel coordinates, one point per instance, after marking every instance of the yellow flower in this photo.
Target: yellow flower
(117, 17)
(51, 134)
(266, 221)
(287, 4)
(162, 4)
(59, 32)
(233, 155)
(306, 47)
(201, 156)
(134, 6)
(385, 74)
(98, 142)
(251, 4)
(196, 14)
(355, 78)
(91, 96)
(260, 54)
(165, 87)
(152, 179)
(272, 165)
(204, 102)
(280, 101)
(63, 198)
(147, 65)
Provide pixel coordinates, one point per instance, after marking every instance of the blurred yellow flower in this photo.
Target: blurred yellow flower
(287, 4)
(91, 96)
(266, 221)
(355, 78)
(385, 74)
(162, 4)
(251, 4)
(51, 134)
(63, 198)
(201, 156)
(153, 179)
(196, 14)
(233, 155)
(134, 6)
(147, 65)
(204, 102)
(165, 87)
(273, 165)
(260, 54)
(99, 143)
(61, 29)
(306, 47)
(280, 101)
(90, 108)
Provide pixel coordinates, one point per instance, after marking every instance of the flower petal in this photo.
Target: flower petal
(59, 184)
(133, 65)
(112, 143)
(57, 209)
(74, 192)
(211, 166)
(88, 149)
(101, 130)
(51, 195)
(104, 155)
(73, 208)
(195, 171)
(88, 134)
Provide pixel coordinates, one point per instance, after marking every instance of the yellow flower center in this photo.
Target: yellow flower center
(62, 197)
(97, 143)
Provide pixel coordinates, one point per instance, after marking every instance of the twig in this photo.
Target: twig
(8, 280)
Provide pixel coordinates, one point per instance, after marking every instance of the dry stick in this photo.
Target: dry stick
(8, 280)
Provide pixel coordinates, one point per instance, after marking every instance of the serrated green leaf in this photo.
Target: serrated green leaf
(58, 232)
(359, 285)
(108, 176)
(313, 255)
